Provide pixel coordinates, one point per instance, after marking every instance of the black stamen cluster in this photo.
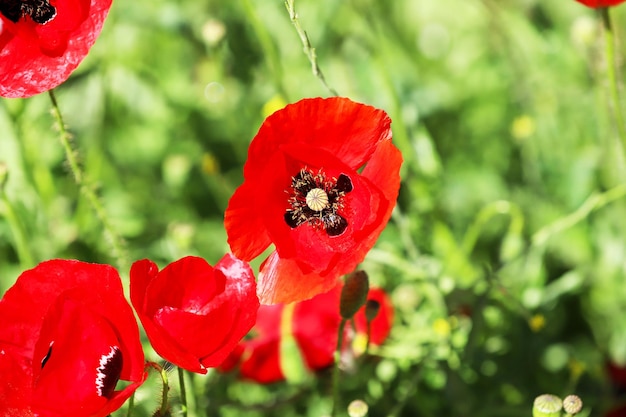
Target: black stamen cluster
(327, 218)
(39, 10)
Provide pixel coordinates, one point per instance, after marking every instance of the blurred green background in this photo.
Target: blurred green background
(506, 256)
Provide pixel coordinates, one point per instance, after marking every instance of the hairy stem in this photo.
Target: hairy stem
(116, 242)
(306, 43)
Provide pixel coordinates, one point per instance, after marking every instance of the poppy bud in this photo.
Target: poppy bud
(372, 307)
(353, 294)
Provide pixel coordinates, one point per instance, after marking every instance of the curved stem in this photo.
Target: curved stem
(163, 407)
(611, 72)
(306, 43)
(117, 243)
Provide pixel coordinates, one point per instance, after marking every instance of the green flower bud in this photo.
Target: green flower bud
(353, 294)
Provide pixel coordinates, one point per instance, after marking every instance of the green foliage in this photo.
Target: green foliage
(505, 255)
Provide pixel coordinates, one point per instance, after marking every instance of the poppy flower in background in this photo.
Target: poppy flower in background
(600, 3)
(194, 314)
(43, 41)
(315, 325)
(320, 182)
(67, 336)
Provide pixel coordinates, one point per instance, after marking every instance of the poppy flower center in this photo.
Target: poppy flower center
(317, 200)
(41, 11)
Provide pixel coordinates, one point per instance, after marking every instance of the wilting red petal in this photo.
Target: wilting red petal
(282, 280)
(37, 57)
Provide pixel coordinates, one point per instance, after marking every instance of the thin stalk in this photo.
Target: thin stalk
(131, 405)
(306, 43)
(163, 407)
(342, 326)
(183, 393)
(116, 242)
(594, 202)
(611, 73)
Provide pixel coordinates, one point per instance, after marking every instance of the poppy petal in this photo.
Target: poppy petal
(282, 280)
(246, 233)
(348, 130)
(35, 57)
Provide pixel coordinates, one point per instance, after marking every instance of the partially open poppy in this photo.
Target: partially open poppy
(194, 314)
(67, 337)
(315, 326)
(320, 182)
(600, 3)
(43, 41)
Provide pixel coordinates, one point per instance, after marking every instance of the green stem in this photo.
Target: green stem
(183, 393)
(306, 43)
(18, 232)
(131, 405)
(342, 326)
(594, 202)
(611, 72)
(163, 408)
(116, 242)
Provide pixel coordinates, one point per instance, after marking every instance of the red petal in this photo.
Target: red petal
(260, 354)
(246, 232)
(36, 306)
(383, 169)
(16, 386)
(346, 129)
(35, 58)
(194, 314)
(315, 325)
(282, 281)
(600, 3)
(381, 325)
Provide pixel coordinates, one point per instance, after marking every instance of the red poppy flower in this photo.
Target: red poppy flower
(320, 182)
(194, 314)
(67, 336)
(43, 41)
(315, 326)
(600, 3)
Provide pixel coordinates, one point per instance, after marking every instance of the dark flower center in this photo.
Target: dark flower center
(316, 200)
(108, 372)
(41, 11)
